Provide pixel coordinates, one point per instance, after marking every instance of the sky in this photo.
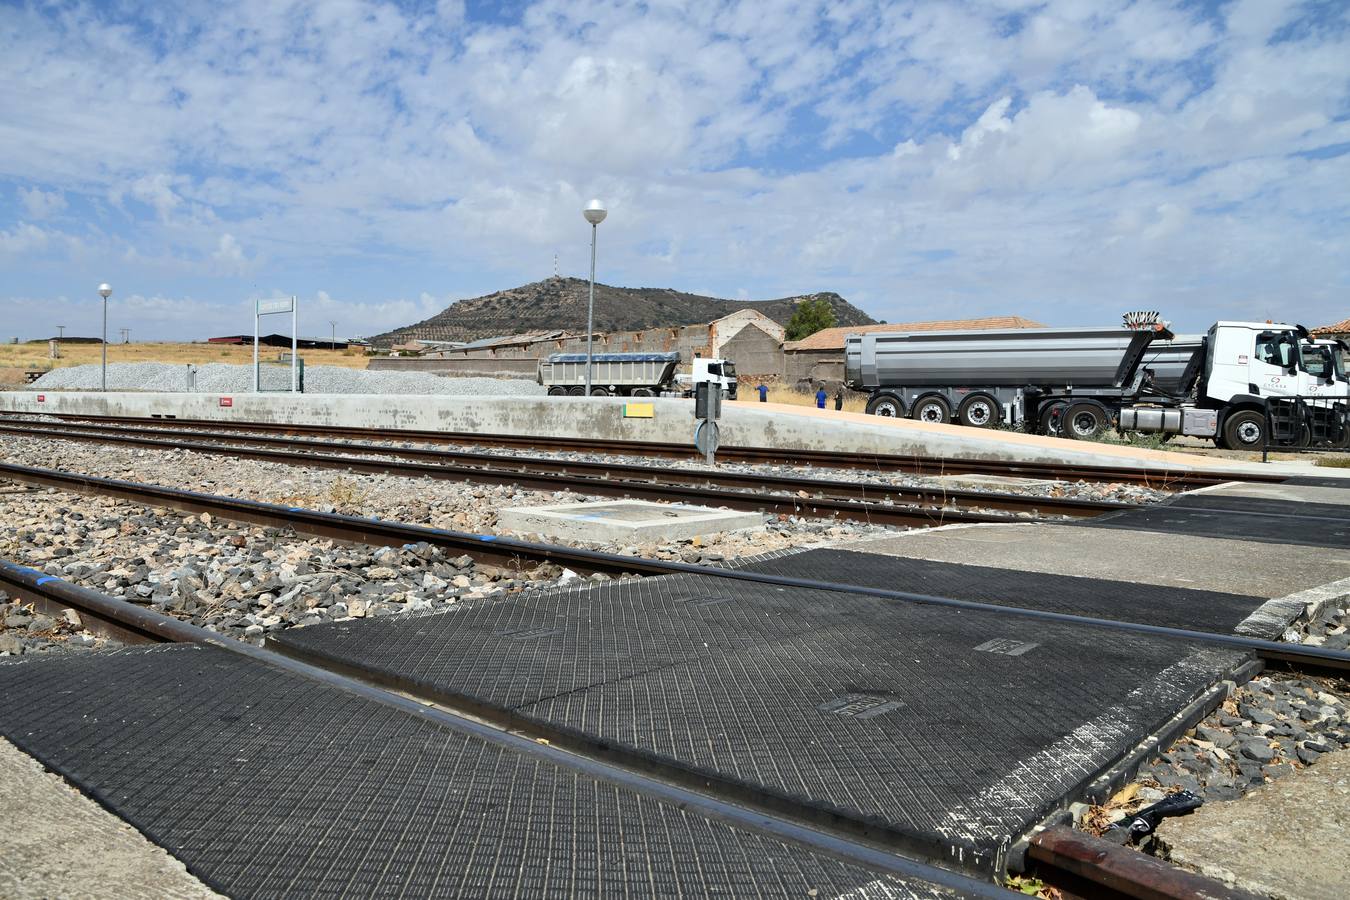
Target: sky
(1066, 160)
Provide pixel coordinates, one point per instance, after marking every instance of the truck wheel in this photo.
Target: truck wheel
(598, 391)
(643, 392)
(1245, 430)
(576, 391)
(887, 406)
(557, 390)
(978, 411)
(1083, 421)
(931, 409)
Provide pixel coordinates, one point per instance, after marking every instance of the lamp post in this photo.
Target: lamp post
(595, 214)
(105, 291)
(333, 342)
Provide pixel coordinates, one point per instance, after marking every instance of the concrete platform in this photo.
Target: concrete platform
(267, 784)
(65, 845)
(1146, 557)
(746, 424)
(1289, 840)
(947, 733)
(623, 521)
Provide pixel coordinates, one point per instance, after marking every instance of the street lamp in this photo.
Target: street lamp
(333, 344)
(105, 291)
(595, 214)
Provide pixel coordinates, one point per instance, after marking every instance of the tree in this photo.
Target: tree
(811, 316)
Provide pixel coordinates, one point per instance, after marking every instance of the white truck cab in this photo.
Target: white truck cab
(721, 372)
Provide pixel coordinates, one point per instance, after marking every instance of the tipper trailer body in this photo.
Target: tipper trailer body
(632, 374)
(1079, 381)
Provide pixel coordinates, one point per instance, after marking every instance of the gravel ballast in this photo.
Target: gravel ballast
(224, 378)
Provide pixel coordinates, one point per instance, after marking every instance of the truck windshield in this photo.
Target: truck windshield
(729, 369)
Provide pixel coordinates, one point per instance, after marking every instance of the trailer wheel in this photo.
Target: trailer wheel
(1082, 421)
(979, 411)
(1245, 430)
(1052, 417)
(576, 391)
(557, 390)
(886, 406)
(931, 409)
(598, 391)
(643, 392)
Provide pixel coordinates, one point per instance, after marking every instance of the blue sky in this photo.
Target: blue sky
(1065, 161)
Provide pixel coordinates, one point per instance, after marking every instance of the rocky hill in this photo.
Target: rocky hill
(559, 304)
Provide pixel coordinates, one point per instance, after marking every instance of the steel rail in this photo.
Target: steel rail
(1112, 868)
(513, 552)
(156, 627)
(453, 462)
(877, 462)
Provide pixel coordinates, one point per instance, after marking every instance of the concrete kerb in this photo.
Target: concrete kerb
(774, 425)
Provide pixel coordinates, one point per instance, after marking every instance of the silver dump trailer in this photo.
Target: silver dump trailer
(1012, 357)
(1173, 364)
(616, 374)
(986, 378)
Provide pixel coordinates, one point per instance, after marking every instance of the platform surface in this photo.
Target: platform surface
(952, 731)
(270, 785)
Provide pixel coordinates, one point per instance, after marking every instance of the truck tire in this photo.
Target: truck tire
(576, 391)
(1245, 430)
(1083, 421)
(643, 392)
(979, 411)
(886, 405)
(931, 409)
(557, 390)
(598, 391)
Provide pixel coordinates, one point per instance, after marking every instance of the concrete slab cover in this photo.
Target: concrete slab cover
(1241, 518)
(1288, 840)
(1208, 563)
(271, 785)
(950, 733)
(624, 520)
(69, 847)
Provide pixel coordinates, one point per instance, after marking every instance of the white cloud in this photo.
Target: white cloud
(42, 204)
(912, 155)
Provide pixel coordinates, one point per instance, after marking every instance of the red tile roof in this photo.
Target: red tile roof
(1341, 327)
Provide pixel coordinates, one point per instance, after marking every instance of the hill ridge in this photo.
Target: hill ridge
(559, 304)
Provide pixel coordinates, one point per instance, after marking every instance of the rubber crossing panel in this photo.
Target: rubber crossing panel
(267, 784)
(952, 732)
(1075, 595)
(1215, 515)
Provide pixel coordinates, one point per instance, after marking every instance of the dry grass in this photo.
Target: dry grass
(779, 394)
(15, 359)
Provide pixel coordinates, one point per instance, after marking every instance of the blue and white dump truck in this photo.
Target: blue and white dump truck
(1239, 384)
(633, 375)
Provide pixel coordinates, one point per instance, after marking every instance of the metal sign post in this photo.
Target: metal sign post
(707, 409)
(269, 308)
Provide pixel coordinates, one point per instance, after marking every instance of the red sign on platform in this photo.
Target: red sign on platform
(227, 401)
(42, 398)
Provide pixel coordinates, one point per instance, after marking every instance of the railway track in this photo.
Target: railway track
(871, 462)
(517, 553)
(1059, 855)
(879, 504)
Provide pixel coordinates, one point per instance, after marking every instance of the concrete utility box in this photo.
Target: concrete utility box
(628, 521)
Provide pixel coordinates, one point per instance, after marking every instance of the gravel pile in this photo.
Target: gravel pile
(222, 378)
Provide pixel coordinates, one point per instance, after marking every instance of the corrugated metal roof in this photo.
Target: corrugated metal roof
(833, 338)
